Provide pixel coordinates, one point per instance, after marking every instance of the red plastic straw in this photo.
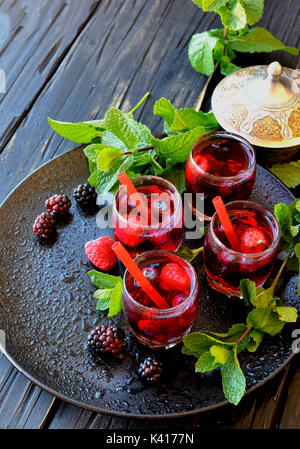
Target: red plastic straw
(141, 206)
(226, 223)
(137, 274)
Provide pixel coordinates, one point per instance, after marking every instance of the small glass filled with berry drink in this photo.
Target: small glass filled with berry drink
(221, 164)
(157, 225)
(258, 234)
(176, 281)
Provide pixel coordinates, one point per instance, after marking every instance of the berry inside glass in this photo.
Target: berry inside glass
(222, 164)
(175, 279)
(258, 233)
(159, 227)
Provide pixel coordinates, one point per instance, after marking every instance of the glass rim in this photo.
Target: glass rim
(193, 289)
(164, 223)
(251, 205)
(251, 156)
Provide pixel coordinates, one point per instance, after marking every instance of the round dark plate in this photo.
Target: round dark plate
(47, 309)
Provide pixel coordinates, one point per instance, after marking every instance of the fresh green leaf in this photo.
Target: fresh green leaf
(198, 3)
(179, 147)
(201, 341)
(105, 181)
(110, 140)
(103, 296)
(233, 15)
(297, 254)
(256, 337)
(288, 173)
(103, 280)
(116, 301)
(220, 353)
(92, 152)
(212, 5)
(258, 39)
(248, 290)
(176, 175)
(265, 320)
(189, 254)
(287, 314)
(201, 50)
(76, 132)
(206, 362)
(264, 298)
(233, 380)
(107, 158)
(147, 159)
(254, 10)
(284, 219)
(227, 67)
(165, 109)
(142, 133)
(118, 124)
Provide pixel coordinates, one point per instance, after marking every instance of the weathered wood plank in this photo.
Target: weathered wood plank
(38, 37)
(291, 412)
(116, 58)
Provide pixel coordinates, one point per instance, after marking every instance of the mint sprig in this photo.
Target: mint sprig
(218, 46)
(266, 315)
(109, 294)
(119, 143)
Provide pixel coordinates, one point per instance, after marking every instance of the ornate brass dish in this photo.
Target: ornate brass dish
(262, 104)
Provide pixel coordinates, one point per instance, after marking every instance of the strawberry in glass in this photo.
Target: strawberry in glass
(258, 233)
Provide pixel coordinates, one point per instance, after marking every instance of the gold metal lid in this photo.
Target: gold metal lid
(262, 104)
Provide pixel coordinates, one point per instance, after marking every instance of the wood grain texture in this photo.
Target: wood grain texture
(71, 61)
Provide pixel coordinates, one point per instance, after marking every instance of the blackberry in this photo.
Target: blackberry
(44, 225)
(150, 370)
(85, 195)
(106, 340)
(58, 205)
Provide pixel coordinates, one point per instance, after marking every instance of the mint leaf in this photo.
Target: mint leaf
(110, 140)
(200, 341)
(176, 175)
(103, 280)
(206, 362)
(105, 181)
(178, 147)
(254, 10)
(103, 296)
(92, 152)
(265, 321)
(107, 158)
(165, 109)
(288, 173)
(142, 133)
(284, 218)
(117, 123)
(220, 353)
(287, 314)
(227, 67)
(233, 380)
(188, 253)
(82, 132)
(147, 159)
(258, 39)
(233, 15)
(198, 3)
(255, 338)
(201, 48)
(116, 301)
(297, 254)
(248, 290)
(212, 5)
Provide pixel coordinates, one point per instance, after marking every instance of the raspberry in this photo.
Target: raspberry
(44, 225)
(150, 370)
(58, 205)
(100, 253)
(85, 195)
(106, 340)
(253, 241)
(174, 277)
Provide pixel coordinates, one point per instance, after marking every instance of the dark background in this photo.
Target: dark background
(73, 60)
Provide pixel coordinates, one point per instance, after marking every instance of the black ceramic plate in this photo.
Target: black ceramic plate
(47, 309)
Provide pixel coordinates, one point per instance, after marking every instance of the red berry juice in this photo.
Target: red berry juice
(258, 234)
(221, 164)
(175, 279)
(160, 227)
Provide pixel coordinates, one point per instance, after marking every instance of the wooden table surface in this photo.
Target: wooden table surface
(72, 60)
